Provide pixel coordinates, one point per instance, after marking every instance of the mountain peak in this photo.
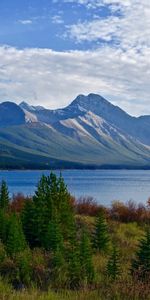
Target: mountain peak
(30, 108)
(11, 114)
(26, 106)
(89, 100)
(92, 102)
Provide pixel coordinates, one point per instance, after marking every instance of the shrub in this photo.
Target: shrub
(88, 206)
(18, 202)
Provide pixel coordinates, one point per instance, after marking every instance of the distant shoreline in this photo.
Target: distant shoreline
(88, 167)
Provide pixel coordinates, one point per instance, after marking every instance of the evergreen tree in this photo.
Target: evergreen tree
(113, 265)
(87, 268)
(53, 199)
(15, 240)
(45, 205)
(28, 223)
(65, 209)
(101, 235)
(59, 270)
(53, 239)
(74, 267)
(4, 196)
(73, 259)
(141, 264)
(3, 226)
(40, 210)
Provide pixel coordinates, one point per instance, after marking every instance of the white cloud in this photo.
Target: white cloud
(57, 19)
(94, 4)
(129, 29)
(119, 69)
(53, 79)
(25, 22)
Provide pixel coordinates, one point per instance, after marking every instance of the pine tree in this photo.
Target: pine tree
(113, 265)
(15, 240)
(3, 226)
(40, 210)
(53, 199)
(4, 196)
(67, 217)
(59, 268)
(53, 239)
(101, 236)
(74, 267)
(87, 268)
(28, 223)
(141, 264)
(73, 258)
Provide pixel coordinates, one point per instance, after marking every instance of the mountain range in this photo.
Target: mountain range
(89, 133)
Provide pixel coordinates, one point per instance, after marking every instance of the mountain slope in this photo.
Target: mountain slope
(136, 127)
(89, 132)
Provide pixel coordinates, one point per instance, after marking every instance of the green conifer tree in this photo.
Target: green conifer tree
(15, 240)
(4, 196)
(113, 265)
(59, 268)
(73, 259)
(101, 235)
(28, 223)
(40, 210)
(74, 267)
(141, 264)
(53, 199)
(53, 239)
(87, 268)
(3, 226)
(67, 217)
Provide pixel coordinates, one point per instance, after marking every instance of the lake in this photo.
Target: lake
(103, 185)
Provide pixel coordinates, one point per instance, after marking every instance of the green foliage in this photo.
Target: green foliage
(59, 269)
(4, 196)
(60, 254)
(141, 264)
(65, 208)
(40, 213)
(3, 226)
(28, 223)
(15, 240)
(53, 238)
(74, 267)
(113, 265)
(23, 261)
(87, 268)
(51, 198)
(101, 236)
(3, 254)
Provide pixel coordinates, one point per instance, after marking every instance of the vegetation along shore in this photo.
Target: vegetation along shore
(55, 247)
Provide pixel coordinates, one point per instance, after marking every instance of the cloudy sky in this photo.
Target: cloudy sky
(53, 50)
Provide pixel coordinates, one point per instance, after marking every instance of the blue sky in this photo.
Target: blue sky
(44, 23)
(53, 50)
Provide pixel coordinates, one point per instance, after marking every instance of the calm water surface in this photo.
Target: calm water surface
(104, 185)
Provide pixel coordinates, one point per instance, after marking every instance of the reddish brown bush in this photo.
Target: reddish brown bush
(129, 212)
(88, 206)
(18, 202)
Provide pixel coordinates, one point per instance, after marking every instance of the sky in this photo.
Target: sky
(53, 50)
